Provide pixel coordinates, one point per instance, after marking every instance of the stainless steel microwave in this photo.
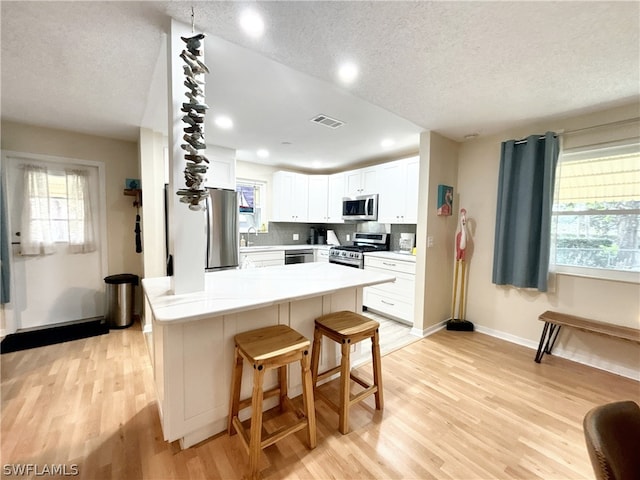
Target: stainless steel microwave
(360, 207)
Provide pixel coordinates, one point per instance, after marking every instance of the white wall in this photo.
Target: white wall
(152, 167)
(513, 313)
(434, 265)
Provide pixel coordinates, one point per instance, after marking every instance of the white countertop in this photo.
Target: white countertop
(231, 291)
(407, 257)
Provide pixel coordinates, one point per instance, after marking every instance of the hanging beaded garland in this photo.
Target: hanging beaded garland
(194, 110)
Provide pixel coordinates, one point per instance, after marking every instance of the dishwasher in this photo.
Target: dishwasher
(298, 256)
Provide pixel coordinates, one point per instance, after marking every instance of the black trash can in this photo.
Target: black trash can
(120, 299)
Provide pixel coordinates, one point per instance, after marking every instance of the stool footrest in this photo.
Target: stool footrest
(283, 432)
(353, 399)
(242, 432)
(272, 438)
(246, 403)
(328, 373)
(359, 380)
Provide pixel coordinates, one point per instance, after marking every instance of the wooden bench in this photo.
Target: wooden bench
(553, 321)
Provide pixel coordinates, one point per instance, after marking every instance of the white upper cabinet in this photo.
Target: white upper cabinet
(318, 198)
(361, 181)
(334, 201)
(398, 202)
(290, 197)
(222, 167)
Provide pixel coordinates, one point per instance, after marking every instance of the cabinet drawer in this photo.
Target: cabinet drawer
(263, 259)
(272, 255)
(389, 264)
(403, 287)
(389, 305)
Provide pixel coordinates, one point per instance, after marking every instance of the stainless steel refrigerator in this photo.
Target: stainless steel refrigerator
(222, 229)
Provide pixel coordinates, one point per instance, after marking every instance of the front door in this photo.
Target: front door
(59, 286)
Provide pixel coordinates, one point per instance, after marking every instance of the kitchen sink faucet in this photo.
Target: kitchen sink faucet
(248, 232)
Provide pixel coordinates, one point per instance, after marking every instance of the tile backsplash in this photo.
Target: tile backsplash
(281, 233)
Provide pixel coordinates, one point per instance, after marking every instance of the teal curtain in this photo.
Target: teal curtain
(523, 215)
(5, 242)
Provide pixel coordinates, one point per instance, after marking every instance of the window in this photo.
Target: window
(596, 212)
(57, 209)
(252, 201)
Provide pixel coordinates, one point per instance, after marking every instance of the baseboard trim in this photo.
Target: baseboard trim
(416, 332)
(563, 353)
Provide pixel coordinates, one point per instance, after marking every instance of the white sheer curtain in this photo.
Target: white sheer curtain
(81, 236)
(35, 235)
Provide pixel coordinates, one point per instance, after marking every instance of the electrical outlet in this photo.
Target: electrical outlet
(429, 241)
(348, 237)
(296, 236)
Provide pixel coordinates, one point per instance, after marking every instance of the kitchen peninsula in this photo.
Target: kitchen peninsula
(192, 345)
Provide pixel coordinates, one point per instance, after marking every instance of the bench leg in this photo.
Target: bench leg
(540, 351)
(547, 340)
(555, 329)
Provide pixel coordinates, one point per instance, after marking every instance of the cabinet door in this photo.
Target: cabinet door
(369, 182)
(411, 190)
(334, 201)
(392, 192)
(362, 181)
(399, 191)
(318, 198)
(223, 172)
(290, 197)
(352, 180)
(282, 193)
(300, 197)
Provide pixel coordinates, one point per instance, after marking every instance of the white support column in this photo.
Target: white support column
(187, 242)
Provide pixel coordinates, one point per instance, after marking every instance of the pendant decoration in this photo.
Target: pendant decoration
(194, 110)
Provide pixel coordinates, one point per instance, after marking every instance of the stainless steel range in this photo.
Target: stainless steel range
(353, 255)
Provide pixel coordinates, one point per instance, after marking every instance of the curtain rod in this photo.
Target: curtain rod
(578, 130)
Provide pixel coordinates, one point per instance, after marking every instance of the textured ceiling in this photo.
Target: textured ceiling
(452, 67)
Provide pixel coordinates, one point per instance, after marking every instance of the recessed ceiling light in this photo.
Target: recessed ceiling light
(387, 142)
(471, 136)
(223, 122)
(348, 72)
(316, 164)
(263, 153)
(252, 23)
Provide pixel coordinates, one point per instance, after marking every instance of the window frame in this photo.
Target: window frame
(262, 185)
(584, 153)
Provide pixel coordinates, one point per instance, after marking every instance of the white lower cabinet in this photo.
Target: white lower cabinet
(321, 255)
(262, 259)
(393, 299)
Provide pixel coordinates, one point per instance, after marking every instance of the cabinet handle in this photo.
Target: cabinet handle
(388, 303)
(389, 264)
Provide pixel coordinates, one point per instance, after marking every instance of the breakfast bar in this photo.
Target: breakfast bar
(192, 334)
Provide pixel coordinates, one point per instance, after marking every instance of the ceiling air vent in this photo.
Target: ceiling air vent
(327, 121)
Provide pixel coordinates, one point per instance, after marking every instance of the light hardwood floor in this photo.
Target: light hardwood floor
(458, 405)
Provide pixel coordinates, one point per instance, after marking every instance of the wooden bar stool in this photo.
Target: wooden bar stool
(269, 348)
(347, 328)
